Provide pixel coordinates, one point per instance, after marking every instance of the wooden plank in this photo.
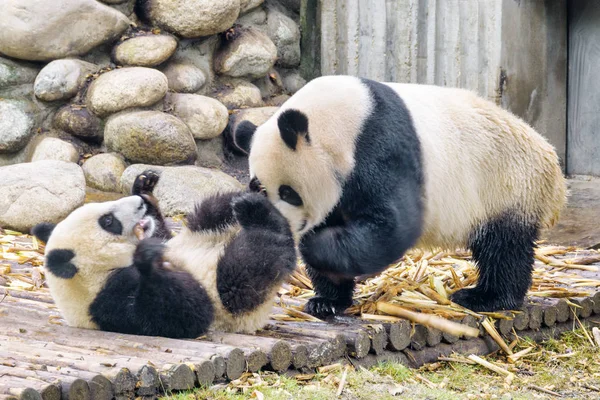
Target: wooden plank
(583, 153)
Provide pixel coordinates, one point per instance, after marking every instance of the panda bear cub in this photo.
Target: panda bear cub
(365, 170)
(221, 271)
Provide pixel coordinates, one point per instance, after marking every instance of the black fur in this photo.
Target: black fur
(109, 223)
(238, 141)
(213, 213)
(58, 262)
(146, 299)
(380, 213)
(292, 124)
(503, 250)
(43, 230)
(143, 186)
(260, 257)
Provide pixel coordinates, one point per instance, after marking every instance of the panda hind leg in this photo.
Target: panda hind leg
(503, 250)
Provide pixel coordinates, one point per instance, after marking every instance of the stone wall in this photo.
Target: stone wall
(110, 84)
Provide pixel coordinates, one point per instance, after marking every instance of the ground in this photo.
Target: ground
(569, 367)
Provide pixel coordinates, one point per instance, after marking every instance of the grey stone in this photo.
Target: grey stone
(256, 18)
(205, 116)
(198, 53)
(150, 137)
(62, 79)
(249, 54)
(247, 5)
(270, 85)
(291, 5)
(257, 116)
(180, 188)
(124, 88)
(210, 153)
(285, 33)
(192, 18)
(113, 1)
(21, 156)
(17, 123)
(145, 51)
(42, 191)
(104, 171)
(292, 81)
(237, 93)
(277, 101)
(184, 78)
(13, 73)
(80, 122)
(50, 148)
(41, 30)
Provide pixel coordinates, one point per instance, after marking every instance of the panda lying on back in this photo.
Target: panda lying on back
(227, 264)
(366, 170)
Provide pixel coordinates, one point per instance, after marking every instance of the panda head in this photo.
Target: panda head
(94, 239)
(301, 157)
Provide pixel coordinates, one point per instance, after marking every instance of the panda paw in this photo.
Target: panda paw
(480, 301)
(145, 182)
(322, 307)
(148, 255)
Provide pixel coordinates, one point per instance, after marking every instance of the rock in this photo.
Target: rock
(41, 30)
(199, 54)
(191, 18)
(247, 5)
(285, 33)
(237, 93)
(256, 18)
(17, 123)
(80, 122)
(150, 137)
(104, 171)
(257, 116)
(292, 81)
(21, 156)
(51, 148)
(145, 51)
(249, 54)
(184, 78)
(124, 88)
(113, 1)
(180, 188)
(270, 85)
(205, 116)
(210, 153)
(292, 5)
(277, 101)
(62, 79)
(42, 191)
(14, 73)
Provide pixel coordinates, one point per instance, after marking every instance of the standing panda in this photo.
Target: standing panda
(366, 170)
(108, 264)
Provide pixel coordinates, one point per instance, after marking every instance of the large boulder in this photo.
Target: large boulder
(62, 79)
(285, 33)
(237, 93)
(80, 122)
(42, 191)
(250, 53)
(17, 122)
(191, 18)
(150, 137)
(41, 30)
(124, 88)
(104, 171)
(205, 116)
(145, 51)
(51, 148)
(210, 153)
(180, 188)
(184, 77)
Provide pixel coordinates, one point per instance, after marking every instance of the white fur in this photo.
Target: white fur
(479, 160)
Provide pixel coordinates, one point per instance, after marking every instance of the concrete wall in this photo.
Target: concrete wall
(510, 51)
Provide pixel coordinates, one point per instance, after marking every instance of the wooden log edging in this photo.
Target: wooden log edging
(50, 361)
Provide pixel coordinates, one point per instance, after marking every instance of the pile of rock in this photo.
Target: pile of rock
(103, 88)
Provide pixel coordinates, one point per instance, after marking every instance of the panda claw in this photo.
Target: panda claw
(145, 182)
(322, 307)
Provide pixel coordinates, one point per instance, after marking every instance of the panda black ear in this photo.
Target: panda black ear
(242, 137)
(42, 231)
(58, 262)
(293, 124)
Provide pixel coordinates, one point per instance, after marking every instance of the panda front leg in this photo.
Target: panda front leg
(503, 250)
(143, 186)
(333, 294)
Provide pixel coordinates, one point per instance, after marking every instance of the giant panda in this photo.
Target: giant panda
(365, 170)
(114, 266)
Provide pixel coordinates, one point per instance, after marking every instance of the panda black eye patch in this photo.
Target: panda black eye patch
(289, 195)
(109, 223)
